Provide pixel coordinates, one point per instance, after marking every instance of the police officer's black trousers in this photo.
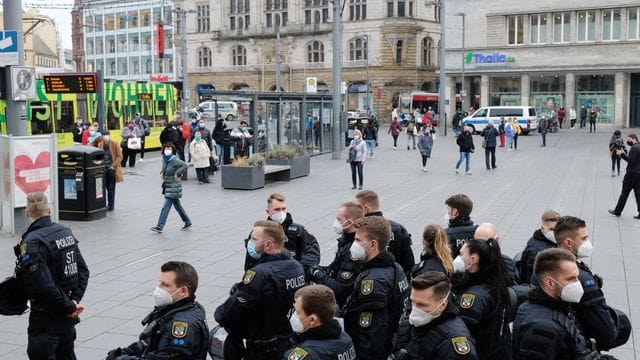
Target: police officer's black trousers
(52, 345)
(631, 182)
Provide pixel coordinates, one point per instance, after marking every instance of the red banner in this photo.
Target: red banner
(160, 39)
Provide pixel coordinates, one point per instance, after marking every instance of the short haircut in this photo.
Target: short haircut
(436, 280)
(37, 205)
(368, 198)
(633, 136)
(243, 122)
(548, 261)
(567, 226)
(460, 202)
(169, 144)
(353, 210)
(186, 275)
(272, 230)
(275, 196)
(377, 228)
(550, 215)
(319, 300)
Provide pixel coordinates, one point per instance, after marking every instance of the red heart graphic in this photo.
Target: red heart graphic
(30, 176)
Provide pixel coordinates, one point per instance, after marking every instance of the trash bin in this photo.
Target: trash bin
(81, 183)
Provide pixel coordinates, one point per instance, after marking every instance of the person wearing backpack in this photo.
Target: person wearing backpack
(357, 154)
(411, 134)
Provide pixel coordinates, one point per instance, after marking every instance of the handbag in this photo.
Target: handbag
(484, 142)
(352, 154)
(134, 143)
(213, 165)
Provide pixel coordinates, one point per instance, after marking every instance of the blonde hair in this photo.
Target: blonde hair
(357, 132)
(273, 231)
(437, 244)
(37, 205)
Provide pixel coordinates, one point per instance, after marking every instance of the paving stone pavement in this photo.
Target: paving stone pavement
(571, 175)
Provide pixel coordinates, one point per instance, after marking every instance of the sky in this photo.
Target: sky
(59, 10)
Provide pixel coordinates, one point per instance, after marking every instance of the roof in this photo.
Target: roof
(41, 48)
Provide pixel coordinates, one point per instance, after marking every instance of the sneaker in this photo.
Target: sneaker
(395, 148)
(408, 148)
(353, 187)
(140, 160)
(457, 172)
(637, 217)
(613, 174)
(424, 169)
(360, 187)
(200, 182)
(572, 128)
(469, 173)
(612, 212)
(186, 227)
(156, 229)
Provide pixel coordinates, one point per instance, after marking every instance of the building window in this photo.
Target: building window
(611, 24)
(538, 28)
(399, 50)
(561, 27)
(634, 23)
(427, 46)
(586, 25)
(357, 9)
(358, 49)
(239, 11)
(239, 55)
(316, 12)
(204, 20)
(399, 8)
(515, 29)
(315, 52)
(204, 57)
(276, 13)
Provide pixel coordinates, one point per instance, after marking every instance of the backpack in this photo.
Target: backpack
(410, 127)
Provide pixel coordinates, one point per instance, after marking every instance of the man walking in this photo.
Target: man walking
(583, 116)
(631, 179)
(593, 117)
(490, 133)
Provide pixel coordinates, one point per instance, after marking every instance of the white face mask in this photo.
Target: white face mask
(585, 250)
(458, 264)
(105, 137)
(419, 317)
(279, 216)
(161, 297)
(550, 236)
(571, 293)
(168, 152)
(296, 324)
(357, 252)
(447, 217)
(337, 227)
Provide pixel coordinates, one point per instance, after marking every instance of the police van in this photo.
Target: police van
(526, 116)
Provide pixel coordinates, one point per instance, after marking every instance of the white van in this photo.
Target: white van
(526, 116)
(227, 109)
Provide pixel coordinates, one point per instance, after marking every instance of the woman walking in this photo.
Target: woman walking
(129, 150)
(615, 144)
(357, 154)
(200, 155)
(394, 130)
(508, 129)
(465, 143)
(425, 144)
(172, 170)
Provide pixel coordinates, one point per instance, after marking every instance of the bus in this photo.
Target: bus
(56, 113)
(424, 100)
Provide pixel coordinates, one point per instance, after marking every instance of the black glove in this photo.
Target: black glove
(312, 270)
(401, 354)
(113, 354)
(598, 280)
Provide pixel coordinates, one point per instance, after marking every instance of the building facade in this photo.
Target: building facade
(388, 47)
(570, 53)
(41, 47)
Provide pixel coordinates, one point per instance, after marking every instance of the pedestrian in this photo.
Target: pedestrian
(394, 130)
(411, 132)
(572, 116)
(489, 135)
(501, 131)
(543, 128)
(583, 116)
(593, 117)
(631, 179)
(86, 133)
(373, 310)
(131, 144)
(486, 231)
(425, 144)
(185, 131)
(241, 140)
(145, 130)
(317, 334)
(561, 115)
(173, 168)
(370, 138)
(218, 137)
(436, 253)
(465, 144)
(54, 277)
(112, 164)
(615, 144)
(543, 238)
(177, 326)
(482, 296)
(455, 122)
(509, 132)
(460, 226)
(517, 131)
(200, 154)
(357, 155)
(308, 126)
(545, 325)
(256, 313)
(317, 132)
(94, 132)
(77, 131)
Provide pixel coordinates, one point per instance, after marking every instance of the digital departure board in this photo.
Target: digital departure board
(70, 83)
(145, 96)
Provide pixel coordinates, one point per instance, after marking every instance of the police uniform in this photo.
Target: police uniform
(325, 342)
(460, 229)
(256, 314)
(592, 313)
(175, 331)
(341, 274)
(400, 244)
(511, 271)
(303, 246)
(445, 337)
(537, 243)
(427, 262)
(53, 275)
(545, 328)
(372, 311)
(483, 313)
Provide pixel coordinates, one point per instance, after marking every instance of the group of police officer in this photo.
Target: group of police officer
(371, 302)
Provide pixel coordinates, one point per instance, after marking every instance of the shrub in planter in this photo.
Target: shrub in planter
(293, 156)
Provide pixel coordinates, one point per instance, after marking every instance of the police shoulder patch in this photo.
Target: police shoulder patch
(467, 300)
(461, 345)
(179, 329)
(23, 249)
(366, 287)
(365, 319)
(248, 277)
(346, 275)
(297, 353)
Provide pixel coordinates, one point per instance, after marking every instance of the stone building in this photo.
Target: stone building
(41, 47)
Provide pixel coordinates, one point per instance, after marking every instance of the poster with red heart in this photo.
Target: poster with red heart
(32, 168)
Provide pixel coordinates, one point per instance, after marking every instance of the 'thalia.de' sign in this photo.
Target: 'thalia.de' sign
(494, 59)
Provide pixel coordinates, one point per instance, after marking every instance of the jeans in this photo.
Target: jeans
(544, 138)
(515, 141)
(615, 160)
(592, 126)
(630, 182)
(164, 213)
(467, 157)
(582, 122)
(395, 140)
(371, 146)
(411, 137)
(202, 174)
(424, 159)
(356, 165)
(502, 138)
(509, 142)
(573, 122)
(130, 155)
(142, 148)
(220, 152)
(490, 153)
(110, 186)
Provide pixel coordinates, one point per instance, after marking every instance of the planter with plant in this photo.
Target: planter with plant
(293, 156)
(244, 173)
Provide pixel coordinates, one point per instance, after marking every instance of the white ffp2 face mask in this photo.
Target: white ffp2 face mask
(571, 293)
(458, 264)
(279, 216)
(357, 252)
(419, 317)
(585, 250)
(162, 297)
(337, 227)
(550, 236)
(296, 323)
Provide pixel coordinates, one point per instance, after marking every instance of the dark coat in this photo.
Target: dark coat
(490, 133)
(465, 142)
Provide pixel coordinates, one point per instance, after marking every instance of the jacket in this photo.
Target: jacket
(490, 133)
(536, 243)
(400, 244)
(465, 142)
(131, 133)
(633, 159)
(572, 114)
(115, 151)
(508, 130)
(361, 149)
(172, 169)
(427, 262)
(218, 134)
(325, 342)
(425, 143)
(394, 128)
(459, 231)
(241, 139)
(200, 153)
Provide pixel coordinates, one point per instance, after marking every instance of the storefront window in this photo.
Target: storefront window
(546, 89)
(504, 91)
(634, 23)
(586, 25)
(598, 91)
(611, 24)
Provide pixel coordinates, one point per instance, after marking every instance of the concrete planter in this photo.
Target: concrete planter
(300, 166)
(242, 177)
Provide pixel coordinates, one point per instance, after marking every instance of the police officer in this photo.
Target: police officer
(542, 239)
(461, 228)
(437, 332)
(400, 244)
(486, 231)
(341, 274)
(317, 335)
(177, 326)
(304, 246)
(54, 277)
(372, 311)
(545, 326)
(256, 314)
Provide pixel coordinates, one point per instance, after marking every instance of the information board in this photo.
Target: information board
(70, 83)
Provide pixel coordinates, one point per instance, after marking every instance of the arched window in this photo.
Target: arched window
(427, 47)
(239, 55)
(204, 57)
(358, 49)
(315, 52)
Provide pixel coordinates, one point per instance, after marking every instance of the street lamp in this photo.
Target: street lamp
(366, 55)
(441, 62)
(463, 92)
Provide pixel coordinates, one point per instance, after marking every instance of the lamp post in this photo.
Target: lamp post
(441, 63)
(463, 92)
(337, 78)
(366, 55)
(183, 59)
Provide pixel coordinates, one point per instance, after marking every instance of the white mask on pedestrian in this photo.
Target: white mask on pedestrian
(585, 250)
(571, 293)
(337, 227)
(458, 264)
(550, 236)
(279, 216)
(162, 297)
(105, 137)
(296, 324)
(419, 317)
(357, 252)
